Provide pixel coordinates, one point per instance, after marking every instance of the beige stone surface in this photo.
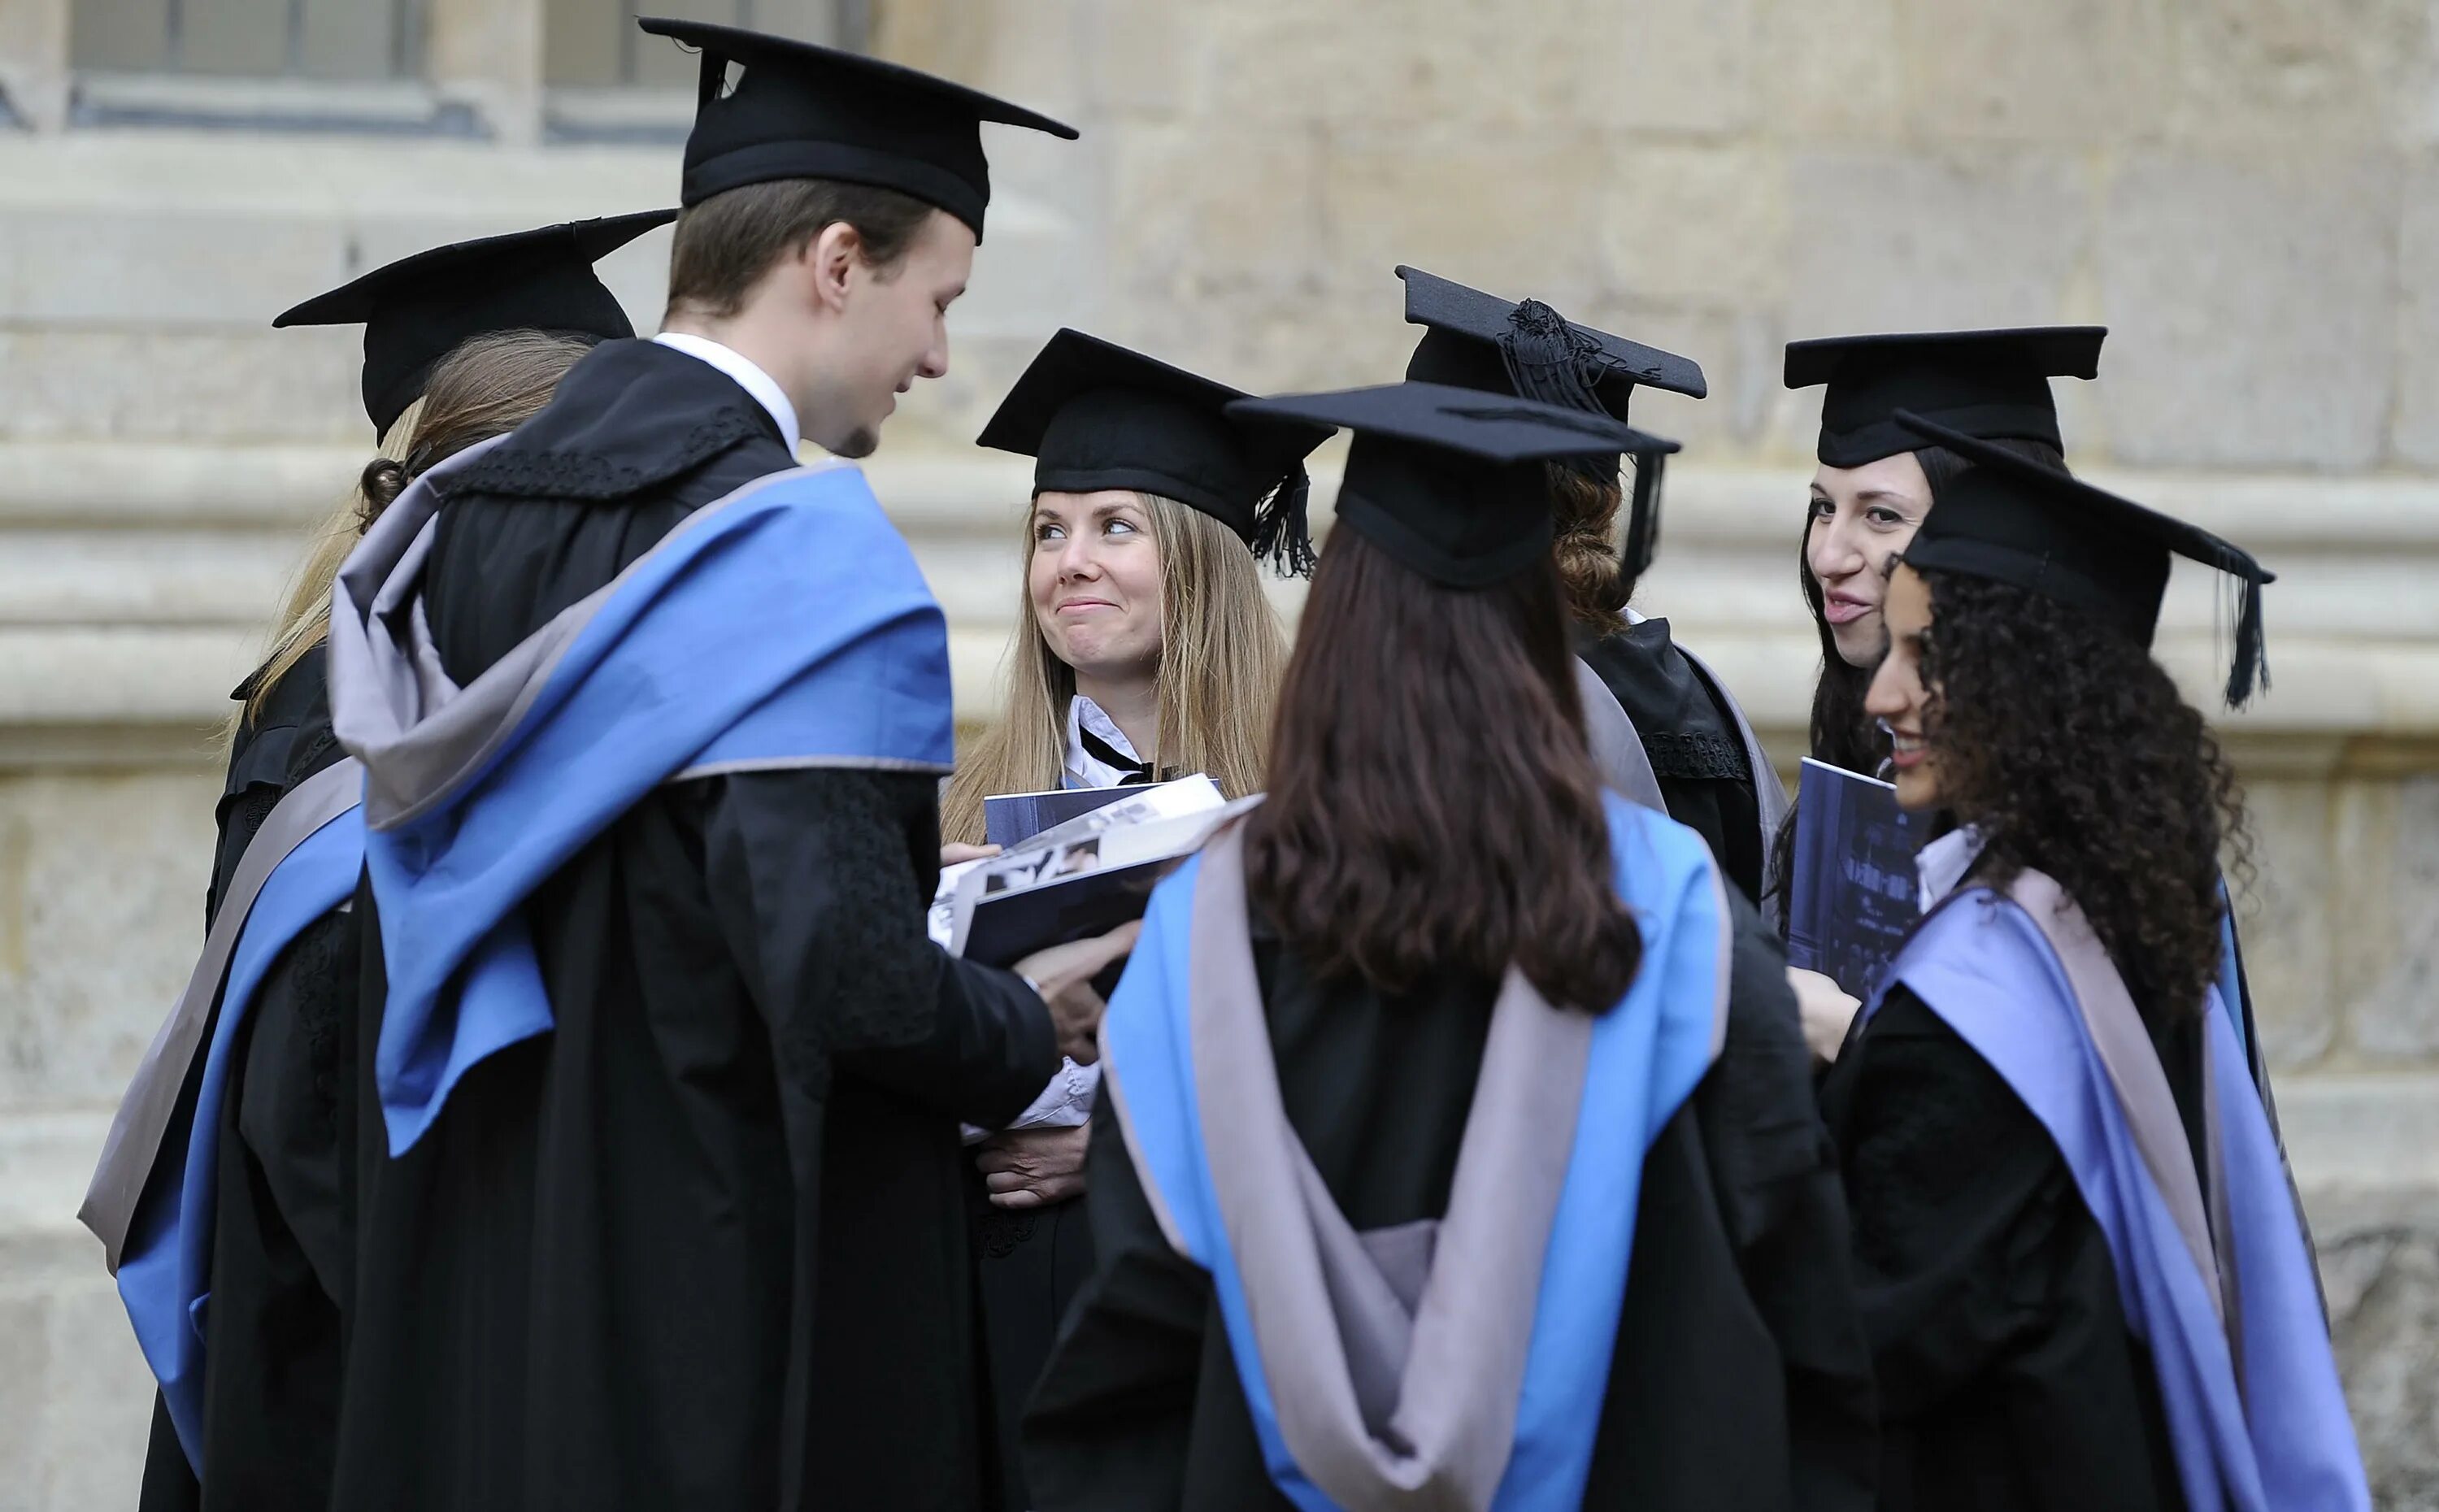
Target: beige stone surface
(101, 908)
(2084, 71)
(2414, 422)
(2253, 306)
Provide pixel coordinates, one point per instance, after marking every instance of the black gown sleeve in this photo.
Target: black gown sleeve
(1988, 1293)
(820, 879)
(1775, 1171)
(1111, 1420)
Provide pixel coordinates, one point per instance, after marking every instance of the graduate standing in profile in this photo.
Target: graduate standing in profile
(1456, 1145)
(1680, 743)
(667, 1077)
(243, 1110)
(2083, 1270)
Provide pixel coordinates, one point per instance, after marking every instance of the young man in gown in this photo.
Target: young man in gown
(674, 1212)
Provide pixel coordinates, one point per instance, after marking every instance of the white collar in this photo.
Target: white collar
(1083, 766)
(749, 375)
(1939, 867)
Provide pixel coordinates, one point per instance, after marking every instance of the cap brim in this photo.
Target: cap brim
(578, 242)
(2189, 541)
(1443, 303)
(1488, 427)
(2050, 352)
(754, 48)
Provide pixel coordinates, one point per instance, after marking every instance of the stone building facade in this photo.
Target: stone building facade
(2246, 192)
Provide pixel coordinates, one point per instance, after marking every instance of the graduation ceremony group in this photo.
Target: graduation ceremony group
(642, 1058)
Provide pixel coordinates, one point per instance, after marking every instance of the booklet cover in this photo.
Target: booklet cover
(1853, 895)
(1076, 886)
(1011, 819)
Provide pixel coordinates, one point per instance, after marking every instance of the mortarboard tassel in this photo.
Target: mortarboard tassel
(2251, 669)
(1282, 533)
(1549, 360)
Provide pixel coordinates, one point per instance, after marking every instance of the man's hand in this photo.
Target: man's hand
(1034, 1167)
(954, 852)
(1063, 975)
(1826, 1008)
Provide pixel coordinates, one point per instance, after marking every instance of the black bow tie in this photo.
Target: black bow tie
(1109, 756)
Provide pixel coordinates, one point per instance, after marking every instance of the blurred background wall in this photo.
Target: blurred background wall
(2246, 192)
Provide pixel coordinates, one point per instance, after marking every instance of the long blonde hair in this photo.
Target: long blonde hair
(487, 386)
(1222, 655)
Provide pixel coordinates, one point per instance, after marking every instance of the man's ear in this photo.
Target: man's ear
(832, 257)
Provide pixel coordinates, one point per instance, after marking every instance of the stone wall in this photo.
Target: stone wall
(2246, 192)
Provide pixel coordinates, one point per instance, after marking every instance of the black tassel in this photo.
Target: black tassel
(1282, 534)
(2251, 669)
(1549, 360)
(1642, 543)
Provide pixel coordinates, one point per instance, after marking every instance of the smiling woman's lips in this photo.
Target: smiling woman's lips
(1844, 611)
(1085, 603)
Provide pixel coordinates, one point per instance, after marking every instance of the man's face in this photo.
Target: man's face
(893, 329)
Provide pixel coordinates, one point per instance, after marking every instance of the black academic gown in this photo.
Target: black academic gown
(2008, 1378)
(1691, 740)
(1740, 1379)
(281, 1252)
(704, 1245)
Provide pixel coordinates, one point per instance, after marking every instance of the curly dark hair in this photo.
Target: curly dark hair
(2072, 752)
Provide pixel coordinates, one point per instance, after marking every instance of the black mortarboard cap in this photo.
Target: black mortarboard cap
(1994, 384)
(419, 310)
(1476, 340)
(1449, 481)
(800, 111)
(2014, 520)
(1094, 416)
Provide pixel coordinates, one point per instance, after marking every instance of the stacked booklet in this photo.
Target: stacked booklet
(1853, 895)
(1078, 878)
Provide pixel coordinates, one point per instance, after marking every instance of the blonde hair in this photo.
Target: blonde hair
(1222, 655)
(487, 386)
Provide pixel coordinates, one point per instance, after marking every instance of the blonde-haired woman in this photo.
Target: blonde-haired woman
(1145, 651)
(461, 343)
(1145, 648)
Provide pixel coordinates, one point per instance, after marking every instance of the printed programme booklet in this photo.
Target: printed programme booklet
(1854, 892)
(1080, 878)
(1011, 819)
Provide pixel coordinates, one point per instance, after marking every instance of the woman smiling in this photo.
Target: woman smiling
(2080, 1260)
(1145, 648)
(1143, 651)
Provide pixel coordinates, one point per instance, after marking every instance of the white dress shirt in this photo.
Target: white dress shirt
(749, 375)
(1939, 867)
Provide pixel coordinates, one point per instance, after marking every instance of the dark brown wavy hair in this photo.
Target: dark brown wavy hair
(2072, 752)
(1433, 806)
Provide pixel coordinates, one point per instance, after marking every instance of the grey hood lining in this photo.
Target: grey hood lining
(1616, 744)
(2133, 1067)
(420, 736)
(1384, 1404)
(134, 1144)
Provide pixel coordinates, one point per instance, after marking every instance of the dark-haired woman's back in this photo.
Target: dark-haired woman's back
(1740, 1378)
(1457, 1138)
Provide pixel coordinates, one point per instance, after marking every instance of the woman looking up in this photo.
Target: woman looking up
(2079, 1256)
(1143, 646)
(1143, 651)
